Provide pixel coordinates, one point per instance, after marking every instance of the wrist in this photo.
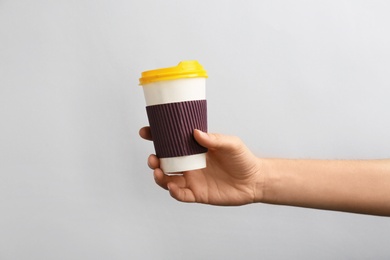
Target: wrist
(260, 181)
(267, 178)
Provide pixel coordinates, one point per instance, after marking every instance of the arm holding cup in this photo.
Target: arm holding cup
(234, 176)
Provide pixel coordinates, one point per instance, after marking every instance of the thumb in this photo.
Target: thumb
(216, 141)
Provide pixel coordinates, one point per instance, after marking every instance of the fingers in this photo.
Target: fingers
(181, 194)
(159, 178)
(175, 184)
(153, 162)
(145, 133)
(217, 141)
(162, 180)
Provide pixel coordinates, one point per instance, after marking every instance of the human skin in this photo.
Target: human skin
(235, 176)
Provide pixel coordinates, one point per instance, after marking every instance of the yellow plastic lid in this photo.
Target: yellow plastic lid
(185, 69)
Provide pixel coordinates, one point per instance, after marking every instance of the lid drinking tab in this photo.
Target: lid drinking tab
(185, 69)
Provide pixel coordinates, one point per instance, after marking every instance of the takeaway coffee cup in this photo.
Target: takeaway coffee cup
(176, 105)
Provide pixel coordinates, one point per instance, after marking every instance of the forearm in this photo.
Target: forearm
(352, 186)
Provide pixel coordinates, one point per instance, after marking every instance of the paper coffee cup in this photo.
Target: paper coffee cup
(176, 105)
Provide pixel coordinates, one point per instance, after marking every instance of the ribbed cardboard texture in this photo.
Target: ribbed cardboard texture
(172, 126)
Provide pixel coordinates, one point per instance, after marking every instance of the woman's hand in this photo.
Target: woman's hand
(232, 176)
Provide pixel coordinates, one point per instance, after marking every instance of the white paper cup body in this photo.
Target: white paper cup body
(177, 91)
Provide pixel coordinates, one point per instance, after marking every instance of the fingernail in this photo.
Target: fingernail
(201, 132)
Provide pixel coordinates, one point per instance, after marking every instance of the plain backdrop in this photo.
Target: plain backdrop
(293, 79)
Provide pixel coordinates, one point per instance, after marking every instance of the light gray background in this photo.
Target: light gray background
(293, 79)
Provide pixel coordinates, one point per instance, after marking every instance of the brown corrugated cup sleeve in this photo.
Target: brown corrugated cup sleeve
(172, 126)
